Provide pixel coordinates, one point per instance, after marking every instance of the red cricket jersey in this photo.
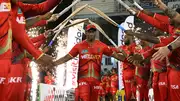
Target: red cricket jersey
(101, 91)
(90, 57)
(129, 50)
(166, 27)
(18, 21)
(19, 32)
(40, 23)
(5, 25)
(37, 9)
(5, 9)
(106, 81)
(162, 18)
(114, 80)
(49, 80)
(163, 42)
(38, 38)
(19, 53)
(143, 71)
(159, 65)
(156, 65)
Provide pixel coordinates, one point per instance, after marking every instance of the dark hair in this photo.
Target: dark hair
(178, 10)
(105, 69)
(114, 69)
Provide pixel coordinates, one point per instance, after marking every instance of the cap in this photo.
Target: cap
(90, 26)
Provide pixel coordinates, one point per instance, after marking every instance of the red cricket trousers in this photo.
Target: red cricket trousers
(174, 84)
(160, 86)
(128, 77)
(16, 87)
(5, 69)
(88, 89)
(142, 89)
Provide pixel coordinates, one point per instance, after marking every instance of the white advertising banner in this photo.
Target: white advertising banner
(75, 34)
(127, 25)
(120, 43)
(51, 93)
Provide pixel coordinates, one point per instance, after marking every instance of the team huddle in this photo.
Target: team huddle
(153, 62)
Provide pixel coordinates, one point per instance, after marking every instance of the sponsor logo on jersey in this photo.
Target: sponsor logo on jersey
(11, 80)
(84, 51)
(162, 83)
(82, 83)
(90, 56)
(5, 7)
(97, 87)
(174, 86)
(19, 11)
(20, 20)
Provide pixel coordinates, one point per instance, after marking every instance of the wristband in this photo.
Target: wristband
(170, 48)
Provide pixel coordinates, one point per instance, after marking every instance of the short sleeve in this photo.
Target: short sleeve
(74, 51)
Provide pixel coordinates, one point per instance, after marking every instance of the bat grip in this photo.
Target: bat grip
(51, 42)
(122, 28)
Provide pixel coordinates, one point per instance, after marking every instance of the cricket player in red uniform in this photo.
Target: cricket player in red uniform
(113, 84)
(106, 81)
(172, 14)
(19, 34)
(76, 94)
(160, 83)
(172, 51)
(142, 76)
(49, 79)
(158, 68)
(159, 22)
(101, 92)
(90, 55)
(173, 30)
(19, 70)
(18, 20)
(128, 68)
(173, 74)
(5, 44)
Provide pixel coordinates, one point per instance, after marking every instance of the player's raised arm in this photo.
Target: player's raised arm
(73, 53)
(62, 60)
(174, 15)
(143, 36)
